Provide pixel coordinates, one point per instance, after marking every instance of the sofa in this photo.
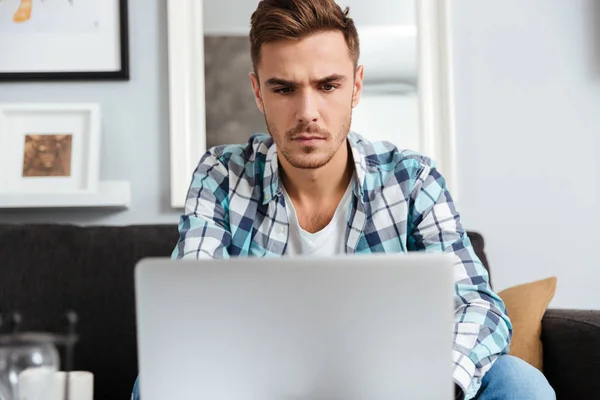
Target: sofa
(46, 270)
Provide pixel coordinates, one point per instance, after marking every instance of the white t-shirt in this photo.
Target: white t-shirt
(330, 240)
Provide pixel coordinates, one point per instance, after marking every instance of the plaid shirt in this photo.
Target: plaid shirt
(400, 203)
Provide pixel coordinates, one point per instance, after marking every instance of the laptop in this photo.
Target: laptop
(349, 327)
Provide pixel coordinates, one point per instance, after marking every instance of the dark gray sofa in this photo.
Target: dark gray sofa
(48, 269)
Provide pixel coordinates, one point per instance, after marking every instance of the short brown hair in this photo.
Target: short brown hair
(295, 19)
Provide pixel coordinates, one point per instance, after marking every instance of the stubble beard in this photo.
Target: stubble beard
(304, 160)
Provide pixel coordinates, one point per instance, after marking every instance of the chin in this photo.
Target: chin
(312, 161)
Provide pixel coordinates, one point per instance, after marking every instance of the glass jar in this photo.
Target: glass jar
(23, 351)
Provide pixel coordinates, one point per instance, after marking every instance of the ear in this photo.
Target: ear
(256, 90)
(358, 85)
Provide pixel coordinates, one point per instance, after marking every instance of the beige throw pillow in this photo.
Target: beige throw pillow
(526, 305)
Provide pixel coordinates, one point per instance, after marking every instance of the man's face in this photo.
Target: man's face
(307, 90)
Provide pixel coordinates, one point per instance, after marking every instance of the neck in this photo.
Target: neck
(315, 185)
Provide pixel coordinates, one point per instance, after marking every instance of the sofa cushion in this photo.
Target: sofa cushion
(572, 352)
(526, 305)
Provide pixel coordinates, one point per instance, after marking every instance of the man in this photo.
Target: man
(313, 187)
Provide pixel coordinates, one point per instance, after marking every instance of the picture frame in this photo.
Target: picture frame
(187, 111)
(59, 41)
(49, 149)
(436, 137)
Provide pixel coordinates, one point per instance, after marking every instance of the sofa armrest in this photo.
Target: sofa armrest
(571, 345)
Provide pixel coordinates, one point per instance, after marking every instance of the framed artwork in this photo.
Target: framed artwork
(191, 128)
(49, 148)
(43, 40)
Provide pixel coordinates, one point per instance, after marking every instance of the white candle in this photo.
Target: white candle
(35, 382)
(81, 386)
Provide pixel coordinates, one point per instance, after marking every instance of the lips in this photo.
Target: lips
(309, 140)
(308, 137)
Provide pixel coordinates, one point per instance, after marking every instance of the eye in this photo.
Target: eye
(284, 90)
(328, 88)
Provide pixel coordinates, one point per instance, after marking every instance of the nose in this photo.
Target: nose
(307, 108)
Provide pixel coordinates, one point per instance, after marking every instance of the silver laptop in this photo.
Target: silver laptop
(376, 327)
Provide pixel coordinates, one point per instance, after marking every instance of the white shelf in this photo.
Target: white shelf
(111, 194)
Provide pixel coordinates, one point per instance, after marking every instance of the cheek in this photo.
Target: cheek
(270, 101)
(337, 108)
(278, 110)
(277, 117)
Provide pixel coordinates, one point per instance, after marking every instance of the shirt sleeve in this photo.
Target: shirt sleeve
(204, 225)
(482, 329)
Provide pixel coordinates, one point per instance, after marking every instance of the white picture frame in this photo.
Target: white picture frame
(187, 90)
(49, 149)
(65, 40)
(186, 93)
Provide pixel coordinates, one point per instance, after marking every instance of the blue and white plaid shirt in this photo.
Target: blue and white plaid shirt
(400, 203)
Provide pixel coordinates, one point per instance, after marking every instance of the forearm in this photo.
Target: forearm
(204, 227)
(199, 238)
(476, 348)
(482, 329)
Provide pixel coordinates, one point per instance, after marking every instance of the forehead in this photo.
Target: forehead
(317, 55)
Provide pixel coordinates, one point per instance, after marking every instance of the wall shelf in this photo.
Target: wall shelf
(110, 194)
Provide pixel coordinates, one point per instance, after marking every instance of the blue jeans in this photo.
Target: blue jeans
(135, 395)
(510, 378)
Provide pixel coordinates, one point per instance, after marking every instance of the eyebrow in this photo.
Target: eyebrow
(284, 82)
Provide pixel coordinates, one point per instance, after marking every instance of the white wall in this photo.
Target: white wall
(135, 137)
(528, 124)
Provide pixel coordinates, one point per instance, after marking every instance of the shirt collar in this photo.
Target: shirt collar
(271, 187)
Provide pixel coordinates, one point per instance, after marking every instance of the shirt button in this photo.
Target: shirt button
(281, 229)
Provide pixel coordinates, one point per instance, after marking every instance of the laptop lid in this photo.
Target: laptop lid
(350, 327)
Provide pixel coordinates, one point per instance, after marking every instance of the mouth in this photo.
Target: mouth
(308, 139)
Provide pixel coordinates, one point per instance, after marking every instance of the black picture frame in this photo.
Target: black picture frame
(121, 75)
